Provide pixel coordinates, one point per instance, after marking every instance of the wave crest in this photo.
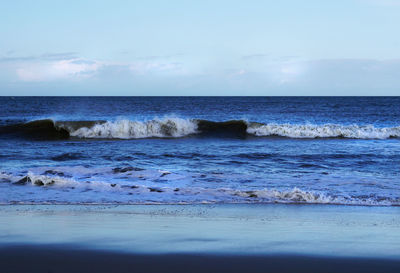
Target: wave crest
(127, 129)
(323, 131)
(178, 127)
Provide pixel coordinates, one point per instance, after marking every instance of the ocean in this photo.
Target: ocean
(195, 150)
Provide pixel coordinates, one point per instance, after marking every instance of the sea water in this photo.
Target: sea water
(190, 150)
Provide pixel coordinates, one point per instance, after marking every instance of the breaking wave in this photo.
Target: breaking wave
(299, 196)
(126, 129)
(178, 127)
(128, 192)
(324, 131)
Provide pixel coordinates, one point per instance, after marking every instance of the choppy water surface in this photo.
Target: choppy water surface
(200, 150)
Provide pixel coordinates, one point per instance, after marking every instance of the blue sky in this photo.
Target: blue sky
(343, 47)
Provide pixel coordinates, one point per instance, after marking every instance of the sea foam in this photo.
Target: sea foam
(178, 127)
(143, 192)
(323, 131)
(127, 129)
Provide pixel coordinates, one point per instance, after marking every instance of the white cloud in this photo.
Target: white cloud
(142, 68)
(75, 69)
(57, 70)
(280, 71)
(288, 73)
(347, 74)
(325, 76)
(238, 73)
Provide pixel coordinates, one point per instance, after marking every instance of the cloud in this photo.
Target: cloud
(289, 73)
(142, 68)
(57, 70)
(355, 75)
(255, 56)
(59, 56)
(319, 77)
(66, 66)
(43, 57)
(159, 57)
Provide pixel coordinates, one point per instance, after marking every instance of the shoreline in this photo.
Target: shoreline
(202, 204)
(199, 238)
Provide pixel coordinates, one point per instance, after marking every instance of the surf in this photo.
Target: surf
(47, 129)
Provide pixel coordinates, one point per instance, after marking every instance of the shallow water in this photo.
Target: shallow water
(73, 150)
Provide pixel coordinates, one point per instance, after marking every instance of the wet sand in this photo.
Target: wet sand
(66, 259)
(199, 238)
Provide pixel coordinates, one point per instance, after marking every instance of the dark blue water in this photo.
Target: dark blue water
(337, 150)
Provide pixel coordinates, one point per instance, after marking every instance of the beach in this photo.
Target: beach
(200, 136)
(199, 238)
(199, 184)
(64, 259)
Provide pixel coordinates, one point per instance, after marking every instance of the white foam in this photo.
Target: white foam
(127, 129)
(134, 190)
(323, 131)
(45, 180)
(55, 181)
(298, 196)
(294, 195)
(5, 176)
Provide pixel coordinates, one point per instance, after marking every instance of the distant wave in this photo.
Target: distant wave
(124, 192)
(178, 127)
(323, 131)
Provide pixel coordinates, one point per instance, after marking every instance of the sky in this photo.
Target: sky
(286, 47)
